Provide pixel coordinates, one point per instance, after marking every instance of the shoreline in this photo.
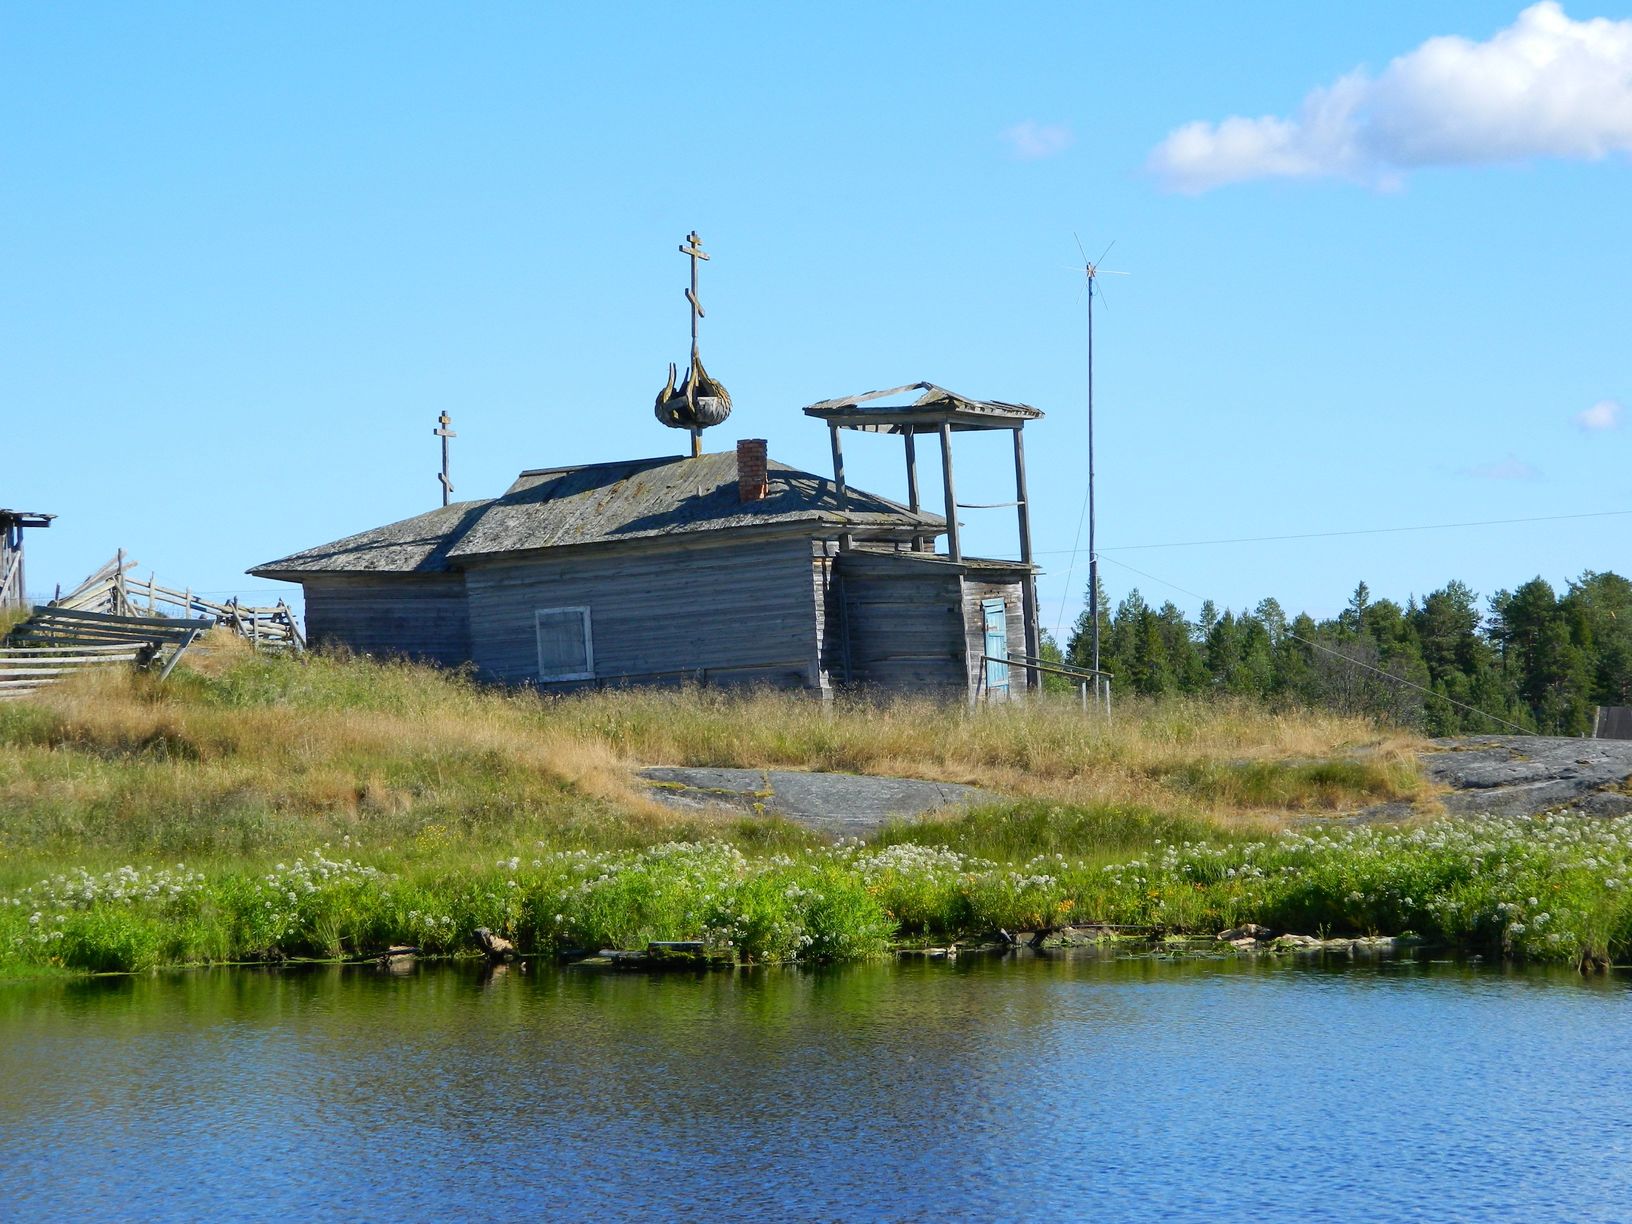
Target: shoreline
(1548, 889)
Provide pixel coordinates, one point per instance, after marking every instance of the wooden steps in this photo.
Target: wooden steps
(55, 642)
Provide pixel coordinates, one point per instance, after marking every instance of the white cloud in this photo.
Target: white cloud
(1546, 86)
(1605, 414)
(1031, 140)
(1511, 468)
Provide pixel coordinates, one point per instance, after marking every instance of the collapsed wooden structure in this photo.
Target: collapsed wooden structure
(13, 588)
(55, 643)
(112, 619)
(114, 590)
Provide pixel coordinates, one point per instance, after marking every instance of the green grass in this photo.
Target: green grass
(1016, 832)
(1548, 888)
(399, 804)
(239, 756)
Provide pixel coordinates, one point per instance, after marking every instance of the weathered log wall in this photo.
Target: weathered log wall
(419, 616)
(722, 613)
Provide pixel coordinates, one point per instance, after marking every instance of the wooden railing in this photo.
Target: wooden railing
(112, 590)
(1101, 680)
(55, 643)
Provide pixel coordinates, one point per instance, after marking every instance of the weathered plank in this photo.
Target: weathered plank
(734, 608)
(101, 652)
(415, 615)
(78, 616)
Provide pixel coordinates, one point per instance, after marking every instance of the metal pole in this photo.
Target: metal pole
(1093, 554)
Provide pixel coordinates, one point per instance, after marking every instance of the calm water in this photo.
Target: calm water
(1014, 1089)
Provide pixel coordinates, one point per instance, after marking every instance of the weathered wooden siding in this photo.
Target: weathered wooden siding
(420, 616)
(974, 619)
(830, 635)
(905, 628)
(1613, 722)
(729, 613)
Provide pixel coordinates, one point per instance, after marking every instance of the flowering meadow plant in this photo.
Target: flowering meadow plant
(1553, 887)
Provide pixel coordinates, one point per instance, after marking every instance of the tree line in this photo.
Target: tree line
(1531, 656)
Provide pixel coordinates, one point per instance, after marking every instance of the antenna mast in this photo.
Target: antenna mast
(1092, 271)
(1093, 551)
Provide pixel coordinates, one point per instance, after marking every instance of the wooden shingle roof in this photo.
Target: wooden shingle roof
(604, 503)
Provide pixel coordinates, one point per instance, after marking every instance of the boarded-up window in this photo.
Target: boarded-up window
(565, 651)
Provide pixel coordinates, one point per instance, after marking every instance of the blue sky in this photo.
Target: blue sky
(1376, 280)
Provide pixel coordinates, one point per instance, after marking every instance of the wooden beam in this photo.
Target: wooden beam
(180, 650)
(838, 467)
(148, 624)
(9, 663)
(1028, 585)
(953, 549)
(839, 487)
(912, 484)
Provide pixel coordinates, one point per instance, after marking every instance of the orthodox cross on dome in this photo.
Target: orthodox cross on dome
(442, 431)
(699, 401)
(693, 247)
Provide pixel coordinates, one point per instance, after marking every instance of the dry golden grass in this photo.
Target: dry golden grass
(1214, 755)
(239, 752)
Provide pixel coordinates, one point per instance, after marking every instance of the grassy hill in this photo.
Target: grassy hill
(263, 808)
(243, 755)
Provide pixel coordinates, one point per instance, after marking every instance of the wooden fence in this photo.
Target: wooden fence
(114, 591)
(55, 643)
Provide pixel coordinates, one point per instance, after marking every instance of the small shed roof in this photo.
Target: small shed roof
(603, 503)
(921, 413)
(25, 518)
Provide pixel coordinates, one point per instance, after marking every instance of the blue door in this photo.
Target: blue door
(996, 615)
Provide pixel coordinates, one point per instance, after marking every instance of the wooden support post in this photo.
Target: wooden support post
(953, 549)
(912, 482)
(1028, 585)
(838, 482)
(18, 577)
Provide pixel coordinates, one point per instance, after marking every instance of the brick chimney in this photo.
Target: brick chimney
(751, 477)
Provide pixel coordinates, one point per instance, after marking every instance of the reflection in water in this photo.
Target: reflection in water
(1013, 1088)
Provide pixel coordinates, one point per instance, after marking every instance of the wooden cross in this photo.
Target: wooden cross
(693, 247)
(445, 433)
